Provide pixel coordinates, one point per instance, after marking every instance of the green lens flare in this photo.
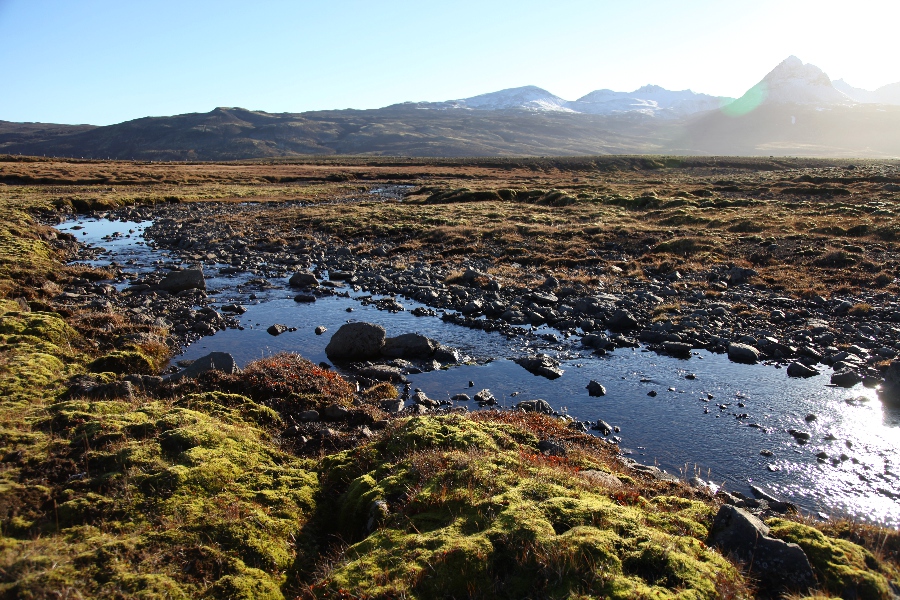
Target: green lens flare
(748, 102)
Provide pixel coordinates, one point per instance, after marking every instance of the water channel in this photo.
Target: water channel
(709, 417)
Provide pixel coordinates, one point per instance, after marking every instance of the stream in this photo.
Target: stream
(710, 417)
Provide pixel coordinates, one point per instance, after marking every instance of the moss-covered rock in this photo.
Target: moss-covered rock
(841, 566)
(123, 362)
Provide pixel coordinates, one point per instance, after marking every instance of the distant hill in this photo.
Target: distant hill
(794, 110)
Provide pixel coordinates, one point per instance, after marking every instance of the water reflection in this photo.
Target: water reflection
(730, 421)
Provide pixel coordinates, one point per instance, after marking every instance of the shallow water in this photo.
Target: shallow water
(672, 429)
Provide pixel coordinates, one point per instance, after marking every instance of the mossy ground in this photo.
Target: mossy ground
(193, 494)
(451, 507)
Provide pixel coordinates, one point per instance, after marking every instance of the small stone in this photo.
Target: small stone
(320, 330)
(276, 329)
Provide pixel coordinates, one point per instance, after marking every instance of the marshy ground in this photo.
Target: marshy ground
(192, 489)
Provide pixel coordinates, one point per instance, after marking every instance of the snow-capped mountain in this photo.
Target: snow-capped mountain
(793, 82)
(529, 97)
(651, 100)
(887, 94)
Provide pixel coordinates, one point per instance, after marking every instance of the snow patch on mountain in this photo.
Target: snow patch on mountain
(794, 82)
(651, 100)
(886, 94)
(529, 97)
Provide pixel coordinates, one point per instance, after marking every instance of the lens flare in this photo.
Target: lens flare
(748, 102)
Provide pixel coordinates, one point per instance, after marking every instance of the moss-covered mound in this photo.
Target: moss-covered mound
(179, 501)
(842, 567)
(452, 507)
(288, 383)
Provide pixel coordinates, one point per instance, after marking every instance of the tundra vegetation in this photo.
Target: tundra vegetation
(193, 490)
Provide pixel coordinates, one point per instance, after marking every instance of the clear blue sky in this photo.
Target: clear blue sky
(107, 61)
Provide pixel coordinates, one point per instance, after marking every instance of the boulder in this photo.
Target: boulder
(356, 341)
(797, 369)
(392, 406)
(890, 389)
(678, 349)
(383, 373)
(537, 405)
(276, 329)
(446, 355)
(335, 412)
(423, 400)
(485, 398)
(738, 275)
(410, 346)
(179, 281)
(303, 280)
(777, 564)
(214, 361)
(541, 365)
(595, 389)
(309, 416)
(622, 320)
(602, 479)
(602, 426)
(742, 353)
(846, 378)
(551, 448)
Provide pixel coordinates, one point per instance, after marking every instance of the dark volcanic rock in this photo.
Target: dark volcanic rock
(594, 388)
(356, 341)
(845, 378)
(303, 280)
(214, 361)
(276, 329)
(622, 320)
(778, 564)
(796, 369)
(541, 365)
(410, 346)
(537, 405)
(179, 281)
(679, 349)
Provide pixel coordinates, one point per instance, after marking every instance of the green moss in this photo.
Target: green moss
(123, 362)
(842, 567)
(466, 511)
(48, 327)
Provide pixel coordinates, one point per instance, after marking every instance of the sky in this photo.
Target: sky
(108, 61)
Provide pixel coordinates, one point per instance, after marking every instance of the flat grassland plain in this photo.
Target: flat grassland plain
(188, 489)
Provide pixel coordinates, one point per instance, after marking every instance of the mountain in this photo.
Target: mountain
(792, 82)
(650, 100)
(794, 110)
(887, 94)
(529, 97)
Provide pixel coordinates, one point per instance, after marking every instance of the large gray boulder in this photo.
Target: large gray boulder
(742, 353)
(410, 346)
(214, 361)
(179, 281)
(356, 341)
(302, 279)
(776, 563)
(541, 365)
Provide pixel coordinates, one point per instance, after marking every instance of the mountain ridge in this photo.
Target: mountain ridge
(777, 116)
